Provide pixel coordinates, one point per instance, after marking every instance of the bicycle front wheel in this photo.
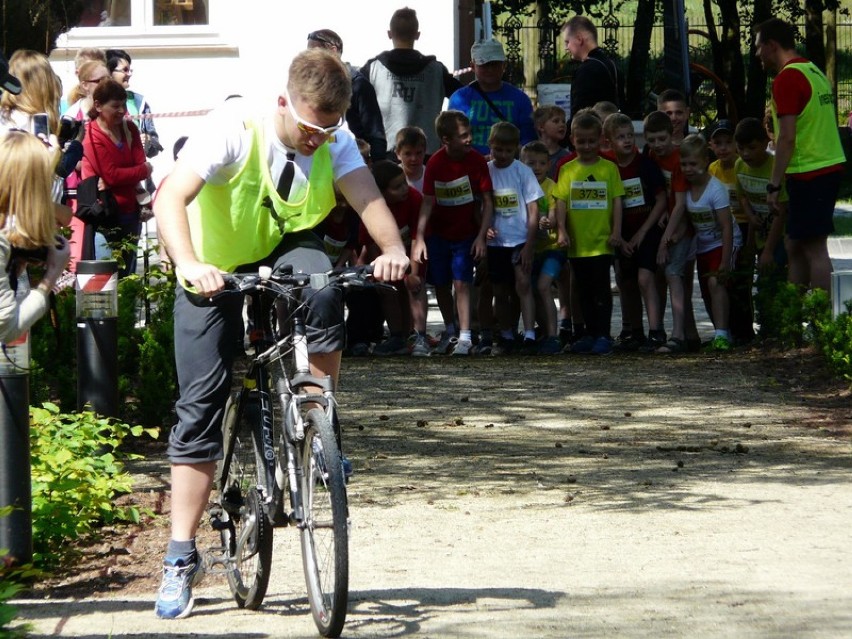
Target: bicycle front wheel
(325, 530)
(248, 536)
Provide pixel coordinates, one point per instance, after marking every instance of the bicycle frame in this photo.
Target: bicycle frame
(292, 393)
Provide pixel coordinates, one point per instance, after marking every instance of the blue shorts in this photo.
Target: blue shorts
(448, 261)
(550, 263)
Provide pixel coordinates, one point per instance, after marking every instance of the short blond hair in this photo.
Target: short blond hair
(504, 133)
(26, 180)
(694, 146)
(320, 78)
(616, 121)
(586, 120)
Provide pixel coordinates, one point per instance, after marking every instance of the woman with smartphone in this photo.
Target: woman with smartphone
(36, 108)
(27, 228)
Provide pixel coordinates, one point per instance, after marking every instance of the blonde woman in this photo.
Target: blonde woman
(27, 222)
(40, 93)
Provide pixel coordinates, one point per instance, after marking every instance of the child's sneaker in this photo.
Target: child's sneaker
(463, 347)
(485, 347)
(720, 344)
(528, 347)
(602, 346)
(445, 346)
(503, 346)
(174, 599)
(550, 346)
(655, 340)
(394, 345)
(420, 348)
(583, 345)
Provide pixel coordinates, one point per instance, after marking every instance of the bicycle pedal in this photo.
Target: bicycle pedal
(217, 561)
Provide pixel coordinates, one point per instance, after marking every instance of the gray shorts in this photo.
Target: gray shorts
(680, 253)
(208, 335)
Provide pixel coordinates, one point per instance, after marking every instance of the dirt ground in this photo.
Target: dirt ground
(556, 497)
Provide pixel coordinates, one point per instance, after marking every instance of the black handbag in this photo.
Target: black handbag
(94, 206)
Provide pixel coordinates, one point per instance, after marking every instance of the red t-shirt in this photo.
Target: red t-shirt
(675, 181)
(406, 214)
(791, 92)
(456, 185)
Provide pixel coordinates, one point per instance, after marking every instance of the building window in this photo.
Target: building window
(143, 14)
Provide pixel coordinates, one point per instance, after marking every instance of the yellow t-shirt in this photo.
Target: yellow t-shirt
(728, 177)
(751, 183)
(546, 239)
(588, 191)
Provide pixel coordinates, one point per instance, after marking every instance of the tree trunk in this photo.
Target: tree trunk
(639, 56)
(756, 91)
(814, 43)
(729, 62)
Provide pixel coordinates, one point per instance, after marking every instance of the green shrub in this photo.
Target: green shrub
(77, 472)
(147, 381)
(833, 337)
(779, 312)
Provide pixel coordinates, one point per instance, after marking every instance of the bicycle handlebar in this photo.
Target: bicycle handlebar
(284, 281)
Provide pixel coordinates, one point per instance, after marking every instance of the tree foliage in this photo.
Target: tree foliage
(730, 26)
(35, 24)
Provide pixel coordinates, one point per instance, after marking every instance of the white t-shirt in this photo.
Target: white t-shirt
(704, 212)
(218, 154)
(514, 187)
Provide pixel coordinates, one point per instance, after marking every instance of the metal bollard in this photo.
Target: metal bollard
(16, 529)
(97, 336)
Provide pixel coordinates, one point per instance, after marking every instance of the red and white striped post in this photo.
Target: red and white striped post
(97, 336)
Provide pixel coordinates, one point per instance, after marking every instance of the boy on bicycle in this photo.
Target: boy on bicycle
(245, 193)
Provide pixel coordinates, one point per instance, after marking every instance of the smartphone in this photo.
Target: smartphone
(40, 125)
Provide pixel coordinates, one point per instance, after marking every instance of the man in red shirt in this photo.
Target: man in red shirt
(807, 152)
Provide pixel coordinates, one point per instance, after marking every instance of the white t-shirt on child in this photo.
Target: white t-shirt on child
(704, 212)
(514, 187)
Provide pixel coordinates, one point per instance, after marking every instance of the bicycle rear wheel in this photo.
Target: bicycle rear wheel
(248, 535)
(325, 531)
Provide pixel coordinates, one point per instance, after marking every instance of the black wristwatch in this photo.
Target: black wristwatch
(772, 188)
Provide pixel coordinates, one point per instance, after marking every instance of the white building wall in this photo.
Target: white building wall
(246, 50)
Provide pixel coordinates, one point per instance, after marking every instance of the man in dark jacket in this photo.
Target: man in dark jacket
(410, 86)
(363, 116)
(597, 78)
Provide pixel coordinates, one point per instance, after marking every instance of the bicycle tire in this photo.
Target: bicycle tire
(248, 537)
(325, 530)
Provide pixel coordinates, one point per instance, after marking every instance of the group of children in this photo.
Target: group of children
(500, 238)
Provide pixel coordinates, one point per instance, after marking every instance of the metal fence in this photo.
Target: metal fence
(537, 55)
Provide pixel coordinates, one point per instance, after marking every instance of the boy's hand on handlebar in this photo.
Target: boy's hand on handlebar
(205, 278)
(390, 267)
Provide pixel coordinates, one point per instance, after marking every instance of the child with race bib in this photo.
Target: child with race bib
(588, 199)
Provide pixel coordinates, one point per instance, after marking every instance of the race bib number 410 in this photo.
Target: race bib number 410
(589, 196)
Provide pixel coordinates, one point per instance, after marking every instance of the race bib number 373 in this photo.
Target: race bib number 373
(589, 196)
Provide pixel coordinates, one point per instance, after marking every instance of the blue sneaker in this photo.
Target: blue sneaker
(583, 345)
(602, 346)
(174, 600)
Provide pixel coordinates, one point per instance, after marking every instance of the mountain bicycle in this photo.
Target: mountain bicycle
(282, 464)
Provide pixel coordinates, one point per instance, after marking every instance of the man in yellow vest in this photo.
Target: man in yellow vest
(807, 152)
(247, 192)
